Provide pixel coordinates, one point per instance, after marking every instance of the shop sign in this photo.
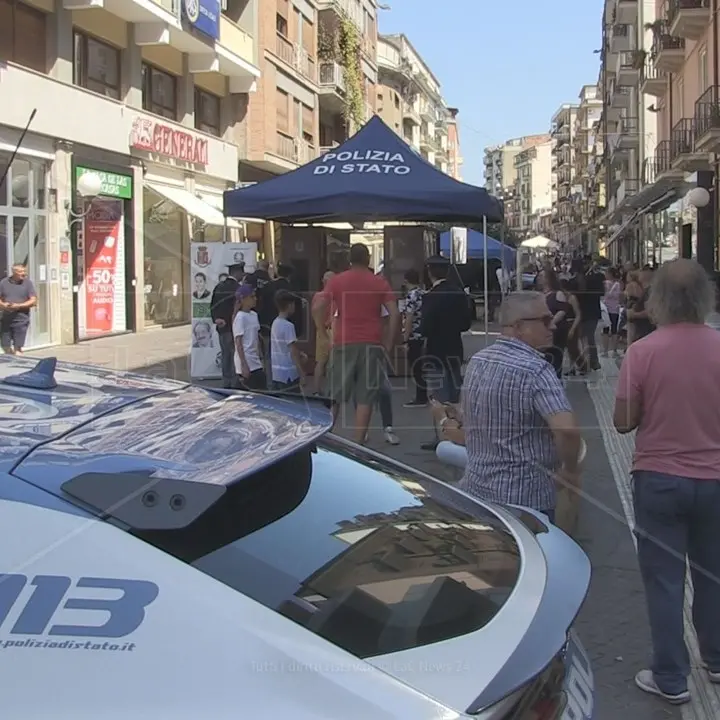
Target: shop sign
(203, 15)
(113, 184)
(156, 137)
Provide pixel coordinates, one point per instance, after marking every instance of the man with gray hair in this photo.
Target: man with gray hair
(669, 391)
(521, 434)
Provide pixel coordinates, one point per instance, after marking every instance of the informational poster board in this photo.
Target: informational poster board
(209, 263)
(101, 265)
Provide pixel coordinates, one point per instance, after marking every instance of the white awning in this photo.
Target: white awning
(192, 205)
(217, 202)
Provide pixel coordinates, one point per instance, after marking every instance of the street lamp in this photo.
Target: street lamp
(698, 197)
(89, 184)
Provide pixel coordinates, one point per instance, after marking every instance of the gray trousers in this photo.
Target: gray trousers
(227, 359)
(588, 330)
(678, 518)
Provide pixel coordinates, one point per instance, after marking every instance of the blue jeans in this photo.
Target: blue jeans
(678, 518)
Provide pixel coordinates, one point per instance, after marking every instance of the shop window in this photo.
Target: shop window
(96, 66)
(22, 35)
(207, 112)
(159, 92)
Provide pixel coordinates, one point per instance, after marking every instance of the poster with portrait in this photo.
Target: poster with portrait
(209, 264)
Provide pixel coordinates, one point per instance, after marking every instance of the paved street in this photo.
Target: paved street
(612, 624)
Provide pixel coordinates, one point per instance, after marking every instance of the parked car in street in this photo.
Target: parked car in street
(174, 552)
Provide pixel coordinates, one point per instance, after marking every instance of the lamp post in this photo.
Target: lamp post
(699, 198)
(88, 186)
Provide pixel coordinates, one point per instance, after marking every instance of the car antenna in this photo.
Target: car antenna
(41, 377)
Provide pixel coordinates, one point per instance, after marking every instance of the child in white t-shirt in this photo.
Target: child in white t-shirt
(246, 332)
(285, 356)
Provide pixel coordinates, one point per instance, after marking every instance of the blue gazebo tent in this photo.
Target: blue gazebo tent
(373, 176)
(475, 247)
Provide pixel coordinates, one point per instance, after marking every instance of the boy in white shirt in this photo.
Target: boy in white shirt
(246, 332)
(285, 356)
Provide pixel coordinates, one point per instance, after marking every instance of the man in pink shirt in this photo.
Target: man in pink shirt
(356, 368)
(669, 390)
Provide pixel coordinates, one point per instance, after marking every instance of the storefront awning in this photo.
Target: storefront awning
(658, 204)
(217, 202)
(192, 205)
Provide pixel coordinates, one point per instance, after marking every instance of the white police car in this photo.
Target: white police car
(172, 552)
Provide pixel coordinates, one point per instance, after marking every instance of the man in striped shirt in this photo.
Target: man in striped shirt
(521, 434)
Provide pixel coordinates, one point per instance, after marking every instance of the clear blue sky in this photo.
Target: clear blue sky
(506, 64)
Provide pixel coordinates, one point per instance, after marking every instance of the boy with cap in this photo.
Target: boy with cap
(246, 332)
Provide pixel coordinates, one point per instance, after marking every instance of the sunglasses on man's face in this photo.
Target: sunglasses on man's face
(546, 320)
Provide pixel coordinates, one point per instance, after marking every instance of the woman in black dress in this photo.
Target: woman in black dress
(565, 317)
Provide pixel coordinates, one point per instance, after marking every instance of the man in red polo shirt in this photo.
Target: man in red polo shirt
(357, 357)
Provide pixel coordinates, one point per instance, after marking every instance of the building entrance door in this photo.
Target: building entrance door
(23, 237)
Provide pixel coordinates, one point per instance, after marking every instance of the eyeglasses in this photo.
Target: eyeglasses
(545, 319)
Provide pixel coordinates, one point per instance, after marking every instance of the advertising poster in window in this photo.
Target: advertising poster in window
(101, 256)
(209, 264)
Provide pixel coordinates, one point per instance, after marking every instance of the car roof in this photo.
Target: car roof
(104, 420)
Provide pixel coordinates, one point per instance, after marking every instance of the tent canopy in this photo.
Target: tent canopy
(372, 176)
(476, 246)
(540, 242)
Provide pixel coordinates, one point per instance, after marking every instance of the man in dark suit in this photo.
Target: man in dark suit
(222, 306)
(445, 316)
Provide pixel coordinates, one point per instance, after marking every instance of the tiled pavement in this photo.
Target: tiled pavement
(612, 623)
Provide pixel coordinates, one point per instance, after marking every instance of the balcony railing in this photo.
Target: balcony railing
(707, 111)
(629, 125)
(663, 153)
(296, 57)
(664, 41)
(677, 6)
(285, 146)
(649, 72)
(332, 75)
(682, 140)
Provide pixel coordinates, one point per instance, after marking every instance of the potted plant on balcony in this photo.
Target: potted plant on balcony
(638, 59)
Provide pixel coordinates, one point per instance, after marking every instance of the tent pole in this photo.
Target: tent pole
(486, 298)
(502, 258)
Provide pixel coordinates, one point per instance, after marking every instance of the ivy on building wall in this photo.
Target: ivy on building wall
(349, 46)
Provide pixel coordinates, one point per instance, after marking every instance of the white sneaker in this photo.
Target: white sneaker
(646, 682)
(390, 437)
(714, 676)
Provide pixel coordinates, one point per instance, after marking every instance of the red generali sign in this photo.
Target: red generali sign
(156, 137)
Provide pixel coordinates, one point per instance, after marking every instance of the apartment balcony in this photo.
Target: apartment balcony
(428, 143)
(627, 69)
(296, 57)
(626, 137)
(331, 81)
(294, 150)
(626, 11)
(707, 120)
(411, 115)
(652, 81)
(689, 18)
(231, 53)
(683, 154)
(665, 173)
(115, 127)
(328, 148)
(619, 96)
(627, 188)
(622, 39)
(343, 9)
(668, 52)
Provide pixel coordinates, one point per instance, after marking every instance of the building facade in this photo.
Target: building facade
(146, 98)
(409, 100)
(629, 77)
(564, 181)
(531, 197)
(318, 62)
(454, 154)
(587, 123)
(500, 171)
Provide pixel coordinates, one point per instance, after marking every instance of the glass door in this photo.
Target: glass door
(23, 238)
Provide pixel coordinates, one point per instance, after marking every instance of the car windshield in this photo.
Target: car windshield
(363, 553)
